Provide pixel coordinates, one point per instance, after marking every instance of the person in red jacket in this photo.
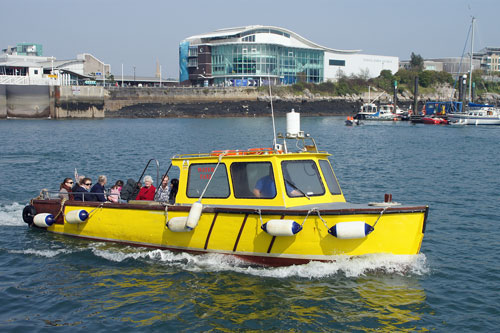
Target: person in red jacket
(147, 192)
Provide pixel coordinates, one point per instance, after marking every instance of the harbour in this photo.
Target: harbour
(261, 166)
(130, 288)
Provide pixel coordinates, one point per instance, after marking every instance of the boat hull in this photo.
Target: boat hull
(475, 121)
(434, 121)
(237, 230)
(482, 116)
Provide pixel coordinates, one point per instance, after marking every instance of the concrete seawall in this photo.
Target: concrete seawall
(79, 102)
(21, 101)
(3, 101)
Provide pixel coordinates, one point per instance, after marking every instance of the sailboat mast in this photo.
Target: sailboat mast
(471, 54)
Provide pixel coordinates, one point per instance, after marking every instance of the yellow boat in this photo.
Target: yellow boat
(272, 206)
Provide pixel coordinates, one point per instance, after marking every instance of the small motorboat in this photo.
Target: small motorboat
(350, 121)
(370, 111)
(280, 205)
(432, 120)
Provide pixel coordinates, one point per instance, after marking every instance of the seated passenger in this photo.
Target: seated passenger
(174, 186)
(163, 191)
(119, 183)
(77, 183)
(114, 192)
(129, 191)
(99, 189)
(265, 187)
(81, 193)
(65, 189)
(147, 192)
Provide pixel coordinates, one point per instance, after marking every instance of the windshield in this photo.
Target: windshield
(331, 181)
(302, 178)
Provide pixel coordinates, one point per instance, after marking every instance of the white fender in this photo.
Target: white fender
(281, 227)
(177, 224)
(77, 216)
(351, 230)
(43, 220)
(194, 215)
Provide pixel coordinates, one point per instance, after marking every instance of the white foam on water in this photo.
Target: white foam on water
(346, 266)
(11, 215)
(42, 253)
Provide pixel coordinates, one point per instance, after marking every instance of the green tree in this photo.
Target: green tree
(416, 62)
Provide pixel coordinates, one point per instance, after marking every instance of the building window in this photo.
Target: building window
(248, 38)
(36, 71)
(193, 51)
(334, 62)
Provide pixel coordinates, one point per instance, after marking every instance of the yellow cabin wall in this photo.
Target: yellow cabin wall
(281, 199)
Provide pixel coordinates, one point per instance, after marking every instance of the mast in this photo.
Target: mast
(272, 113)
(471, 54)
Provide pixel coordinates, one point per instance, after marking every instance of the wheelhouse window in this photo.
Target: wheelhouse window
(331, 181)
(302, 178)
(253, 180)
(200, 174)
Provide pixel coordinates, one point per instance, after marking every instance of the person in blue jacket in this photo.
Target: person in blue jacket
(99, 189)
(81, 193)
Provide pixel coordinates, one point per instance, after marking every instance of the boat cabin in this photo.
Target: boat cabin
(386, 109)
(368, 108)
(257, 177)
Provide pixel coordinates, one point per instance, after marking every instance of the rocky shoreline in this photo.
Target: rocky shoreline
(150, 103)
(233, 109)
(234, 102)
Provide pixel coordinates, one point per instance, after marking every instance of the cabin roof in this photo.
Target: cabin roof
(250, 153)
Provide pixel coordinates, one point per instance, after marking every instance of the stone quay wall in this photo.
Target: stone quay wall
(141, 102)
(214, 102)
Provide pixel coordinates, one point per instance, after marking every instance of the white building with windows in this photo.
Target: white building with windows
(252, 55)
(25, 64)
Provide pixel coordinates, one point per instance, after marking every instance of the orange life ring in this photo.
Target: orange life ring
(260, 151)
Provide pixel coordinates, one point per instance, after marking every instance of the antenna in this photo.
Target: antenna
(272, 113)
(471, 58)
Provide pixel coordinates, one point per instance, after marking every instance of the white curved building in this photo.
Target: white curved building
(250, 56)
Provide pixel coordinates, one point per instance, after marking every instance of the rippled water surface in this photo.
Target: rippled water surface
(50, 280)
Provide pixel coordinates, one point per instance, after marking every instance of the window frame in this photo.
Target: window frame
(270, 165)
(329, 165)
(318, 174)
(206, 196)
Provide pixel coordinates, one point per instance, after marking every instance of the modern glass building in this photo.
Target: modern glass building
(251, 56)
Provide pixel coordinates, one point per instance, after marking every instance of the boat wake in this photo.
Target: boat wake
(11, 215)
(384, 264)
(42, 253)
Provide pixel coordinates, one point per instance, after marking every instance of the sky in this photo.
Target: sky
(141, 33)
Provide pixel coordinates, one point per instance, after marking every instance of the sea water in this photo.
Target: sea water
(50, 280)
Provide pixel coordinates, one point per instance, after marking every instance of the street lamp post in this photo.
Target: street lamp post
(134, 75)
